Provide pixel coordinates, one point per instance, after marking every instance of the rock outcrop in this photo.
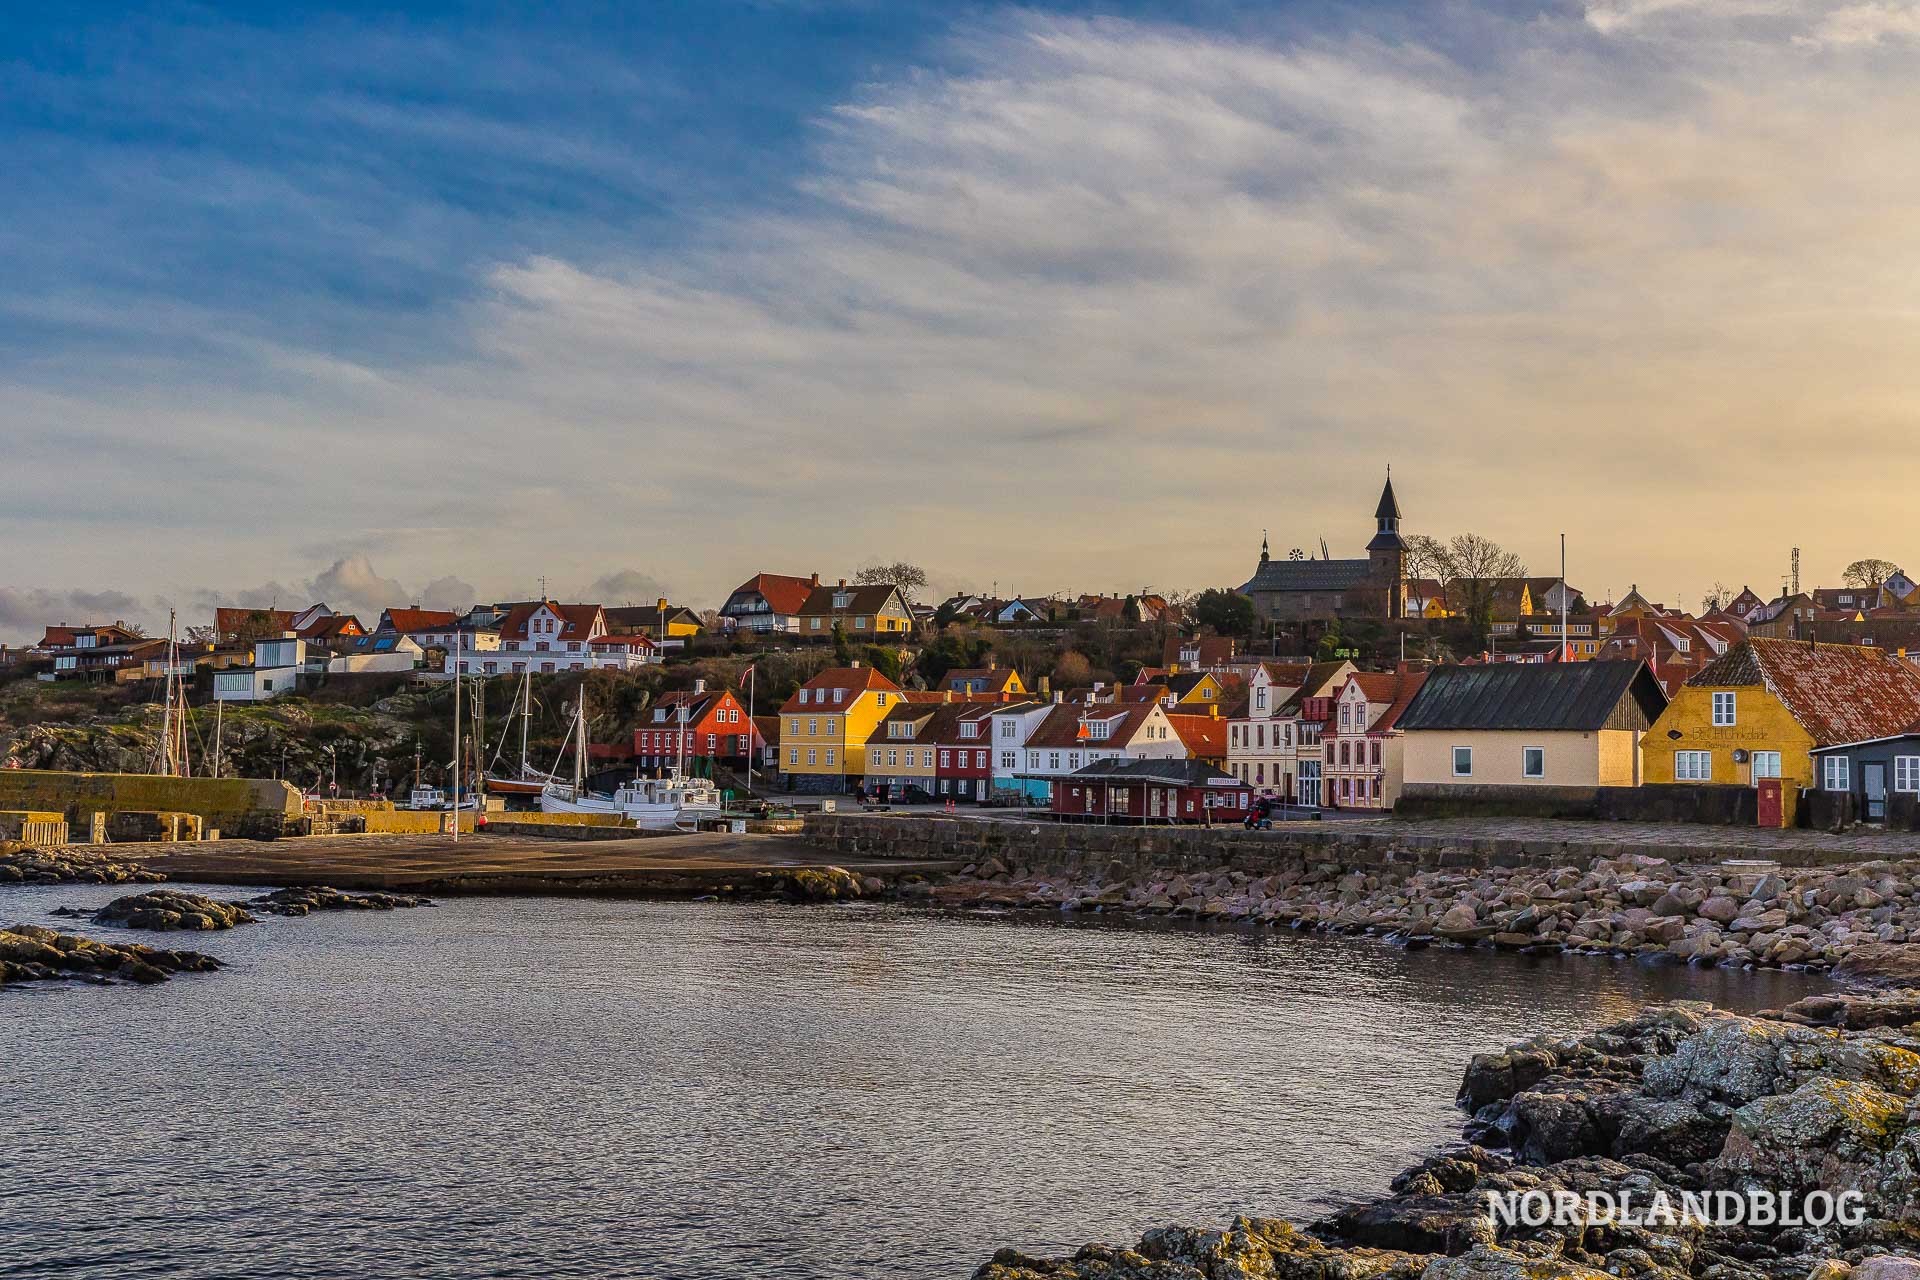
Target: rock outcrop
(306, 899)
(1686, 1117)
(164, 910)
(26, 864)
(29, 953)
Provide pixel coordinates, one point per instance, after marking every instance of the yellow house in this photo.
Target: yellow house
(1758, 709)
(860, 611)
(657, 621)
(1528, 724)
(825, 725)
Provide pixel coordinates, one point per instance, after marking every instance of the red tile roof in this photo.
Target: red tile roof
(782, 593)
(1838, 693)
(854, 680)
(577, 621)
(1205, 736)
(411, 620)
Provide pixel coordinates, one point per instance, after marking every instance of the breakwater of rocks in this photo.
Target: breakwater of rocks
(1792, 1108)
(28, 864)
(30, 953)
(1862, 921)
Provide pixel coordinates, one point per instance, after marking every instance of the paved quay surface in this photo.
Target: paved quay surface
(665, 865)
(1654, 838)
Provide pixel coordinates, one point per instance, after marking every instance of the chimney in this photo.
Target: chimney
(855, 664)
(663, 604)
(1046, 685)
(947, 695)
(993, 664)
(1059, 697)
(699, 686)
(843, 582)
(814, 581)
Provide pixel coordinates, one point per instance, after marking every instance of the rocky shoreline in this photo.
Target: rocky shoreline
(29, 864)
(1816, 1101)
(1855, 920)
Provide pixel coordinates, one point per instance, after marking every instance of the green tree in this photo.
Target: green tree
(1227, 612)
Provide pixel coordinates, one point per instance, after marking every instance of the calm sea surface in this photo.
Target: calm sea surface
(553, 1088)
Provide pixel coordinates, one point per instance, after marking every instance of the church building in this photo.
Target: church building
(1298, 588)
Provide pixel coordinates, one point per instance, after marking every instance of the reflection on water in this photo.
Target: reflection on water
(594, 1089)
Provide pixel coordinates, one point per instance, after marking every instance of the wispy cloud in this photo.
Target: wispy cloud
(1094, 302)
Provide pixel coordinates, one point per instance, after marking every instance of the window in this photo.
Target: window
(794, 728)
(1723, 710)
(1766, 764)
(1533, 762)
(893, 759)
(813, 728)
(813, 757)
(829, 755)
(1906, 773)
(1463, 762)
(876, 757)
(1835, 773)
(833, 725)
(1693, 766)
(1006, 760)
(1053, 760)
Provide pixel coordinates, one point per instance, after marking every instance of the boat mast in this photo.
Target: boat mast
(456, 735)
(219, 710)
(580, 739)
(526, 714)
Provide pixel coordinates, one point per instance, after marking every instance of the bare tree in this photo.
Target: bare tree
(1716, 598)
(910, 578)
(1474, 569)
(1870, 572)
(1426, 557)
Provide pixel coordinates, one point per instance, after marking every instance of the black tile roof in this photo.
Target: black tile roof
(1531, 695)
(1309, 575)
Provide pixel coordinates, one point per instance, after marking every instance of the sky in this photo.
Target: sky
(637, 299)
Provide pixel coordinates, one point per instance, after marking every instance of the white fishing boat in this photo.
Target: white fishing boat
(668, 803)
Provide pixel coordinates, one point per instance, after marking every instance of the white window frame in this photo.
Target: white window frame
(1728, 717)
(1688, 766)
(1525, 772)
(1766, 764)
(1458, 772)
(1906, 774)
(1836, 773)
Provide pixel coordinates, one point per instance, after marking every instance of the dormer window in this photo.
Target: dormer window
(900, 730)
(969, 730)
(842, 600)
(803, 697)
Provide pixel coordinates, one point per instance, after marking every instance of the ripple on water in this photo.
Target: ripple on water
(548, 1088)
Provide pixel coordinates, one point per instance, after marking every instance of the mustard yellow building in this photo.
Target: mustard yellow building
(859, 611)
(825, 726)
(1758, 710)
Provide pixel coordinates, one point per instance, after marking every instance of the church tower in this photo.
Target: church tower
(1387, 553)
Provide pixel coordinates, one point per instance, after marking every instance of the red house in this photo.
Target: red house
(1143, 791)
(965, 767)
(715, 726)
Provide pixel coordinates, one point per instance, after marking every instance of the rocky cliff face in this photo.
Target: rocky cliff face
(1792, 1109)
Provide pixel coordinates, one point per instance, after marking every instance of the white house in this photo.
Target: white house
(1264, 736)
(1075, 734)
(376, 653)
(1013, 724)
(277, 666)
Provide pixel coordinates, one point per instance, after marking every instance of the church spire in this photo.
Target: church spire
(1389, 508)
(1263, 547)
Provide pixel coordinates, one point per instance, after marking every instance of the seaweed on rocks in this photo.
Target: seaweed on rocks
(1821, 1098)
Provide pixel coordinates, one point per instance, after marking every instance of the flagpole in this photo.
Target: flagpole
(753, 730)
(1566, 648)
(456, 735)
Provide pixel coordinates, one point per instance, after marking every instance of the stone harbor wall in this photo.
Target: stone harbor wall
(253, 807)
(1360, 845)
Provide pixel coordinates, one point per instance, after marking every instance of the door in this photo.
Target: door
(1873, 779)
(1770, 802)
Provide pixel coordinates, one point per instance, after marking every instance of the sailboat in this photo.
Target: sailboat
(529, 781)
(668, 803)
